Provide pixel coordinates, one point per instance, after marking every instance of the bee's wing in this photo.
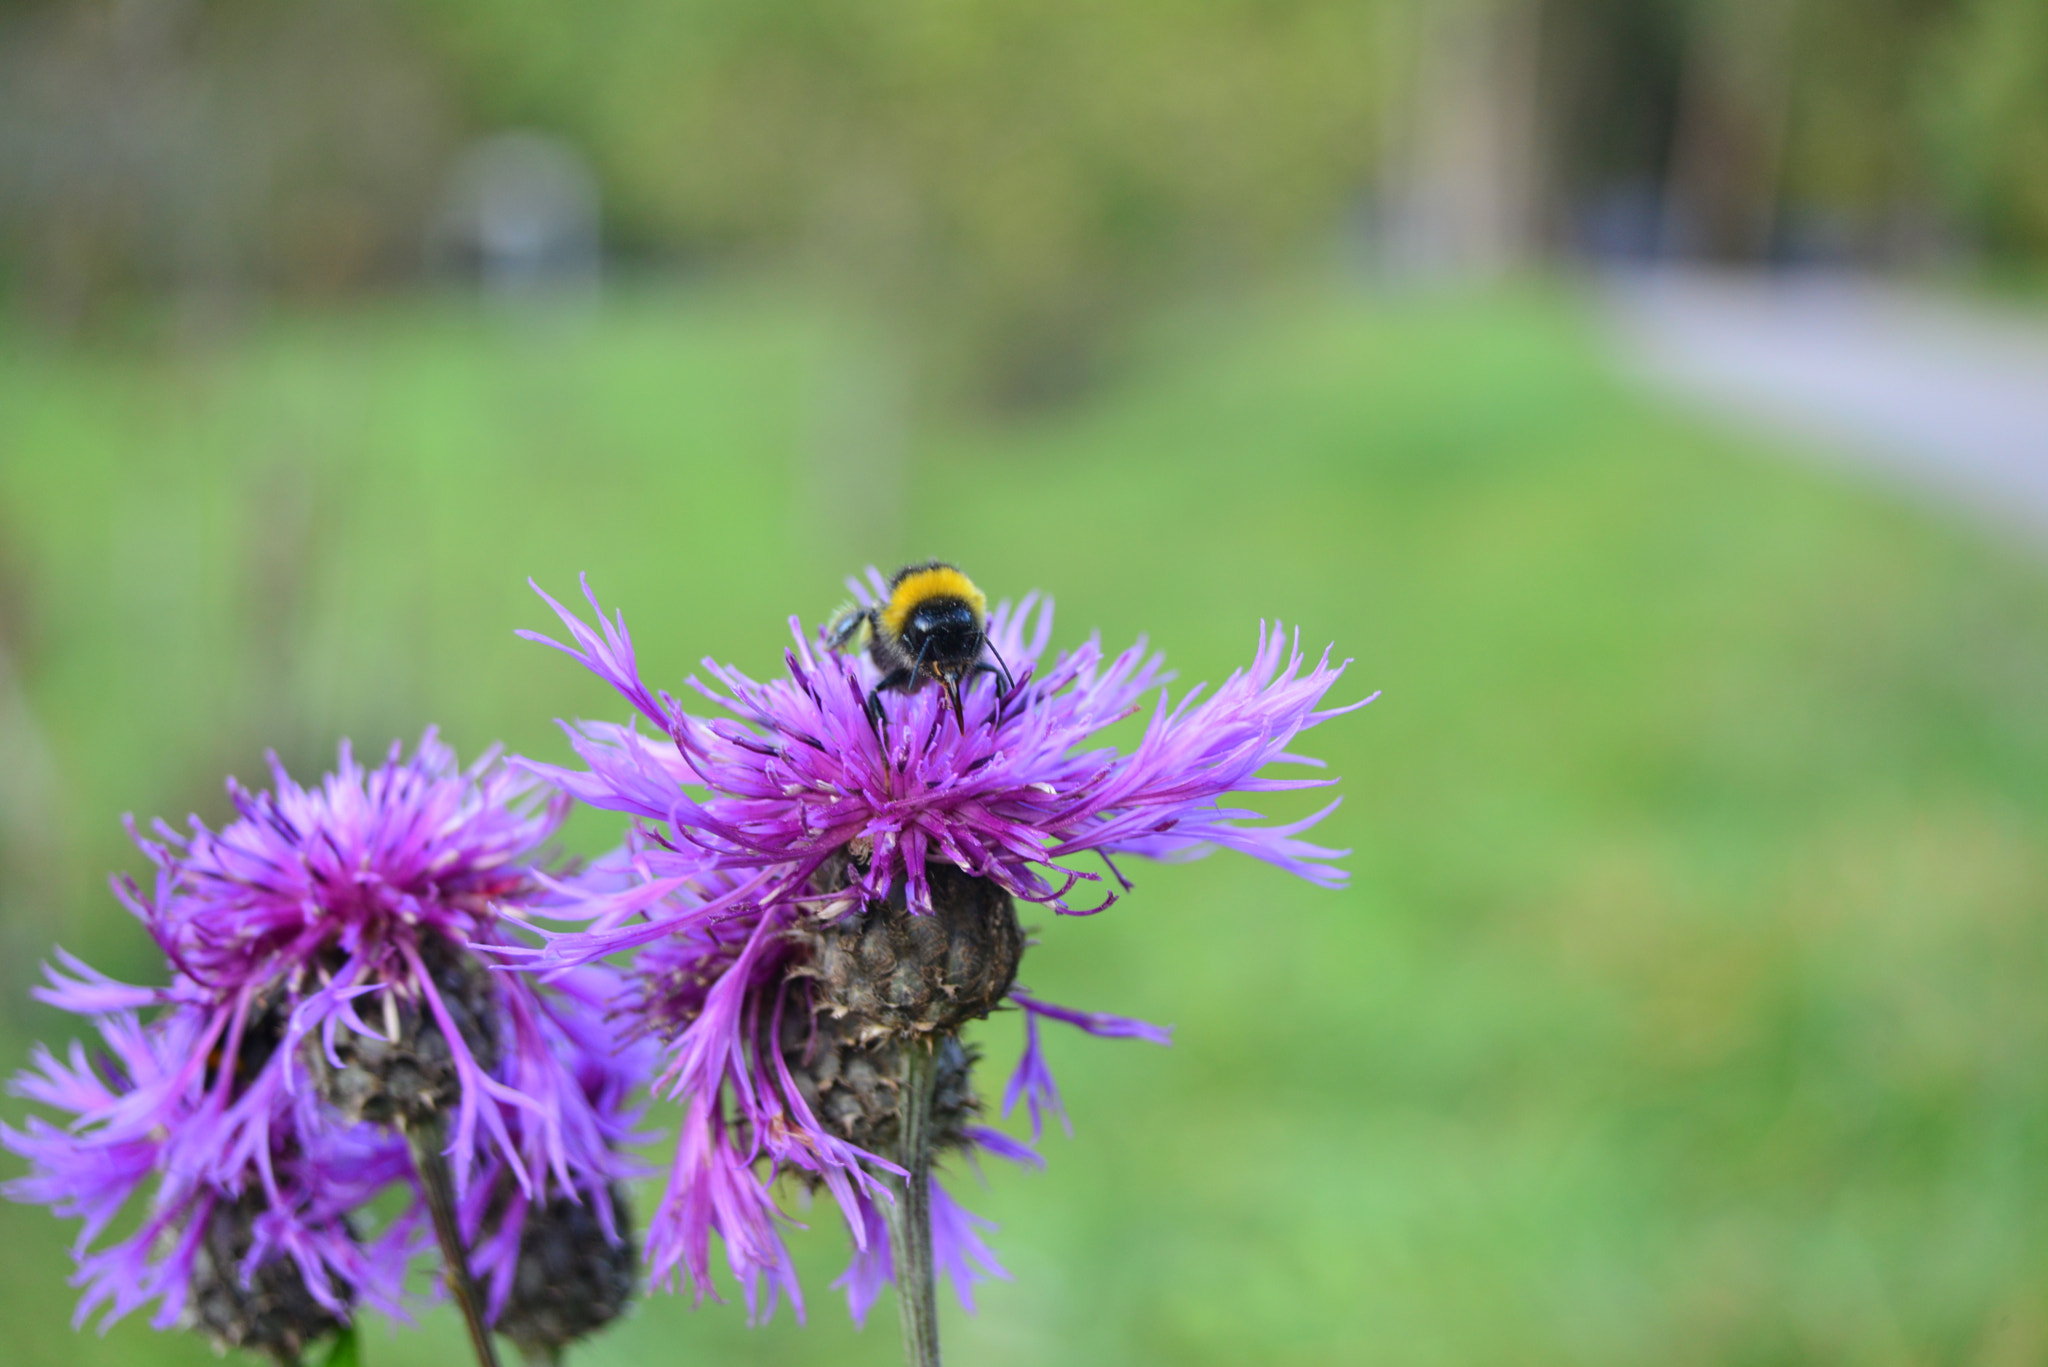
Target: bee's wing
(852, 627)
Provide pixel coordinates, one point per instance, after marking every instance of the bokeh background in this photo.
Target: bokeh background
(1687, 1002)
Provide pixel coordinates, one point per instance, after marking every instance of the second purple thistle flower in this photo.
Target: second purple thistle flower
(824, 882)
(334, 1024)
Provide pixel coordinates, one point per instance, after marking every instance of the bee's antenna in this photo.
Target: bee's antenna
(1003, 672)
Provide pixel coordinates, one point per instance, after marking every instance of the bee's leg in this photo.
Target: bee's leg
(851, 628)
(1001, 670)
(1002, 689)
(876, 719)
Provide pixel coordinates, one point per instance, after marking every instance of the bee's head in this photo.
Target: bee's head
(936, 614)
(943, 632)
(944, 637)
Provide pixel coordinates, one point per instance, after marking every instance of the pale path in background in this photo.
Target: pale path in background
(1943, 393)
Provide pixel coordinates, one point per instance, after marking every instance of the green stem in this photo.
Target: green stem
(910, 1214)
(346, 1351)
(425, 1140)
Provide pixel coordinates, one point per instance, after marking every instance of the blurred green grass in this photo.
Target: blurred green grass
(1685, 1005)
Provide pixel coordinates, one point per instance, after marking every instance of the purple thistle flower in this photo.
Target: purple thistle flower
(800, 773)
(785, 856)
(326, 971)
(336, 895)
(294, 1205)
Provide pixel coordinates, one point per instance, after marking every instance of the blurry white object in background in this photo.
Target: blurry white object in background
(1935, 390)
(520, 217)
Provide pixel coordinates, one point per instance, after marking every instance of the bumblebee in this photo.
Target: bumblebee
(933, 625)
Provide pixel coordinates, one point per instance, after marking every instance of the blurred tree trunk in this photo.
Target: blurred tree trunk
(1728, 143)
(205, 152)
(1466, 177)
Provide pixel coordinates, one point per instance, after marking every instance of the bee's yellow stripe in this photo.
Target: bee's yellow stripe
(925, 585)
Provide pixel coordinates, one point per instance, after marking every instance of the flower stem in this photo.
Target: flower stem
(424, 1139)
(910, 1214)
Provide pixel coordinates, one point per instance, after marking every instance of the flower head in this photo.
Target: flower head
(264, 1256)
(329, 979)
(1010, 793)
(821, 897)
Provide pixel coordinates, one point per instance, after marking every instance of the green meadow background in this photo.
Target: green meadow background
(1685, 1004)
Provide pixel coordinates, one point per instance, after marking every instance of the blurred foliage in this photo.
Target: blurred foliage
(1010, 182)
(1031, 169)
(1685, 1006)
(1986, 103)
(1923, 115)
(1016, 172)
(1880, 130)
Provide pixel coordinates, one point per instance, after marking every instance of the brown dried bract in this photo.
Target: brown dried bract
(411, 1077)
(885, 972)
(274, 1313)
(571, 1281)
(854, 1087)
